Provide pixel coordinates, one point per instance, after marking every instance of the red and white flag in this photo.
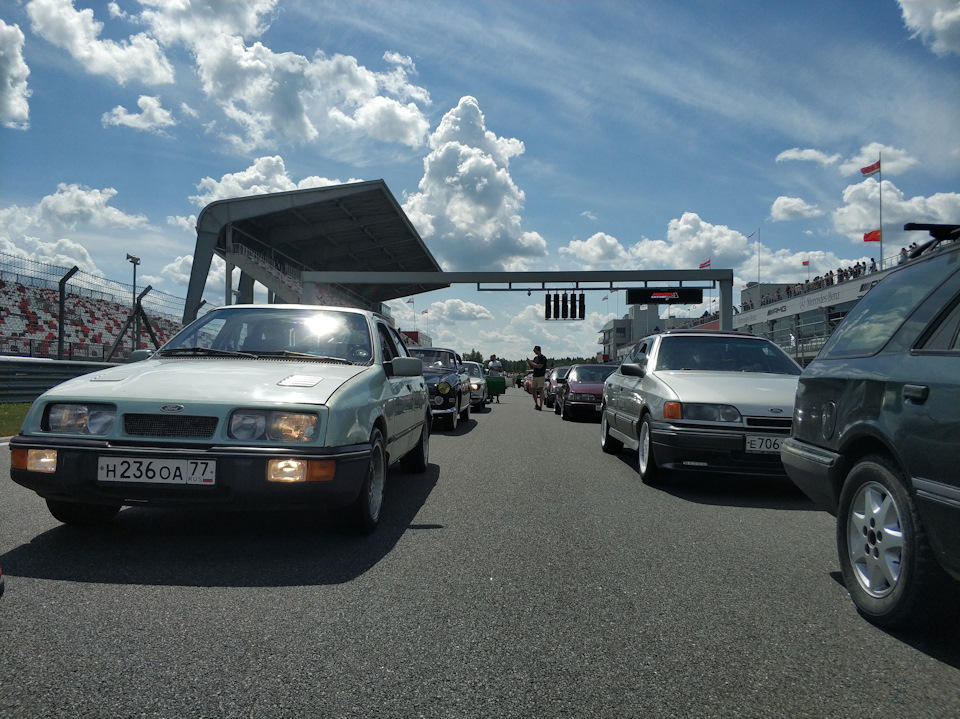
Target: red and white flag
(806, 262)
(872, 236)
(870, 170)
(410, 301)
(704, 265)
(605, 298)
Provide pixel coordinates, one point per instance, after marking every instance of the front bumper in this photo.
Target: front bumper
(240, 475)
(582, 408)
(816, 471)
(709, 450)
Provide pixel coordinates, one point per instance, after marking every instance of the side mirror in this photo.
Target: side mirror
(404, 367)
(634, 369)
(140, 355)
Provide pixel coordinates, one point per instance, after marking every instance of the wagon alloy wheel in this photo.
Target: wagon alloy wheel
(887, 563)
(418, 459)
(650, 473)
(608, 444)
(82, 515)
(366, 508)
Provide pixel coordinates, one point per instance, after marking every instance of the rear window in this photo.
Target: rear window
(881, 312)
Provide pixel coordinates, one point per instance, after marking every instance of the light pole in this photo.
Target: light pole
(136, 315)
(134, 261)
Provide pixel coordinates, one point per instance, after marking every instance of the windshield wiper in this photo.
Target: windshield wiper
(303, 355)
(201, 352)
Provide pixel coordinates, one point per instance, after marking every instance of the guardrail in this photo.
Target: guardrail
(23, 379)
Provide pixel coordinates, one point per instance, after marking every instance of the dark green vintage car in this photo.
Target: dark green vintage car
(876, 438)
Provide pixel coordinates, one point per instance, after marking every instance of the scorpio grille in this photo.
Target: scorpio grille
(158, 425)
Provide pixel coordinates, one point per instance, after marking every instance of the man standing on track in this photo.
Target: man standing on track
(495, 367)
(539, 366)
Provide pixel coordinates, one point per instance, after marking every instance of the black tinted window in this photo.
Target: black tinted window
(945, 333)
(876, 318)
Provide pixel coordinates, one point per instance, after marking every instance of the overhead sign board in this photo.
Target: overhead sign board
(664, 296)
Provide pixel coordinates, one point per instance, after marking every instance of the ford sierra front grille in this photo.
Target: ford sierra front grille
(783, 423)
(158, 425)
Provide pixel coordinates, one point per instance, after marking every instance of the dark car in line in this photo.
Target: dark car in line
(580, 390)
(876, 438)
(703, 401)
(552, 383)
(448, 383)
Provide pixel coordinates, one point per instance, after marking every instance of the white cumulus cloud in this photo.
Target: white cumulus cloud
(793, 208)
(468, 206)
(14, 91)
(139, 58)
(151, 118)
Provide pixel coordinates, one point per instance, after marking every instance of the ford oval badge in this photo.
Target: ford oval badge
(172, 408)
(776, 410)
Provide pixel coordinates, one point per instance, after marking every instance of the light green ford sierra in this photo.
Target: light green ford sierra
(250, 406)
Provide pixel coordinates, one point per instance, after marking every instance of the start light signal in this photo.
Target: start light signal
(564, 307)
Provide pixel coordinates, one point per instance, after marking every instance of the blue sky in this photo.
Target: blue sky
(517, 135)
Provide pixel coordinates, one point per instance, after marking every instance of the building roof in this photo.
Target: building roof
(352, 227)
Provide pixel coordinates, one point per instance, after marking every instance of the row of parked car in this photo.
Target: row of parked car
(869, 430)
(270, 406)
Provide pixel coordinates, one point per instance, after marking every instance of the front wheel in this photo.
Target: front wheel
(608, 444)
(650, 473)
(886, 560)
(365, 510)
(82, 515)
(465, 412)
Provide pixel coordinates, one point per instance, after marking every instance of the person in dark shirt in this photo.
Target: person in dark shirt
(539, 366)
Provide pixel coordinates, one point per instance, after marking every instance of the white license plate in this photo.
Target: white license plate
(763, 444)
(157, 471)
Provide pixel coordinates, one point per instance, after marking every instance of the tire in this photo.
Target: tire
(564, 412)
(417, 459)
(452, 419)
(886, 560)
(79, 514)
(556, 406)
(364, 513)
(650, 473)
(465, 412)
(608, 444)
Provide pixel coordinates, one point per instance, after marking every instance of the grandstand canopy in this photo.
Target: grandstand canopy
(352, 227)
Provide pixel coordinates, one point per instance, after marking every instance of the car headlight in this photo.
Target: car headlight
(701, 412)
(91, 419)
(584, 397)
(474, 386)
(249, 425)
(443, 388)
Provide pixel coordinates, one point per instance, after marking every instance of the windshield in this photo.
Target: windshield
(275, 331)
(724, 354)
(590, 373)
(434, 358)
(474, 370)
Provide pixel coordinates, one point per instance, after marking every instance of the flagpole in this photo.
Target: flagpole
(880, 175)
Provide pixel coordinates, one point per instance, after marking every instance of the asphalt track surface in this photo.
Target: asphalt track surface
(526, 574)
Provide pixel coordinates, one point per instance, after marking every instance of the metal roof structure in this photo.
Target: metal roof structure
(274, 238)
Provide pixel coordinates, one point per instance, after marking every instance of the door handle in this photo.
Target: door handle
(916, 393)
